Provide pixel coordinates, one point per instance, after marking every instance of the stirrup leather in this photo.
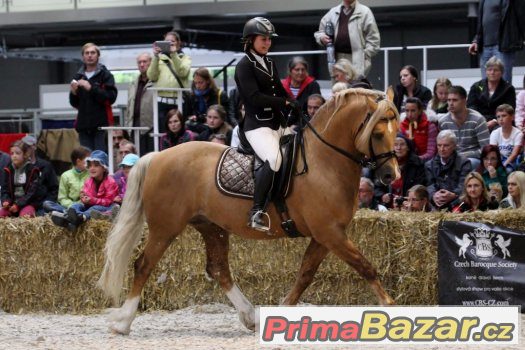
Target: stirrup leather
(257, 223)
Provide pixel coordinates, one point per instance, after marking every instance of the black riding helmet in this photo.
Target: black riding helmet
(258, 26)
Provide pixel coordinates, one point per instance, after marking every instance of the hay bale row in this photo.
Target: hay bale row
(45, 268)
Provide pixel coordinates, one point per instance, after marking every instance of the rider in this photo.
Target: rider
(264, 100)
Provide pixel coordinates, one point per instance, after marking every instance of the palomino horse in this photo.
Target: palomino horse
(177, 187)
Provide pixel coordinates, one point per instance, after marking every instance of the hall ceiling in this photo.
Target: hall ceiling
(213, 32)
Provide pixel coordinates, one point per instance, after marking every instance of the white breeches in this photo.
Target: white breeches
(265, 143)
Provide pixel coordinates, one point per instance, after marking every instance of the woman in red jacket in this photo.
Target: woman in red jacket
(299, 84)
(419, 129)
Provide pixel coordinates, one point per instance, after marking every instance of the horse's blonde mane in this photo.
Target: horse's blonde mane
(340, 99)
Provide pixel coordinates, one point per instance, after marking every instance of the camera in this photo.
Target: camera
(399, 201)
(164, 46)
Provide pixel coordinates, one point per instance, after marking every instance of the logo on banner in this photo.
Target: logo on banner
(481, 243)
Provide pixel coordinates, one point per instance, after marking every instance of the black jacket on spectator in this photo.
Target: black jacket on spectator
(48, 189)
(32, 185)
(412, 173)
(450, 176)
(191, 104)
(262, 92)
(94, 106)
(420, 91)
(479, 99)
(512, 26)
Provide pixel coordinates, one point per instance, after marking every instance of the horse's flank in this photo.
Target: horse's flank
(181, 179)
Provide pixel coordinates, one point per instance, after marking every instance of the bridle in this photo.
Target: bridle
(373, 162)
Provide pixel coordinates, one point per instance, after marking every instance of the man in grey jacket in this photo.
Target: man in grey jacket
(356, 34)
(140, 103)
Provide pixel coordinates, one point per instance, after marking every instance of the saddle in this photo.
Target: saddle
(235, 177)
(235, 171)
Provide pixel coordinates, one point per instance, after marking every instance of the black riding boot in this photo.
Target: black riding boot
(263, 185)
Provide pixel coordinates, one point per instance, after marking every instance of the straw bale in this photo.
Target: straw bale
(46, 268)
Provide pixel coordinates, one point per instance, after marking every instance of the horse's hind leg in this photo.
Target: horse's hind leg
(340, 245)
(313, 256)
(216, 241)
(157, 243)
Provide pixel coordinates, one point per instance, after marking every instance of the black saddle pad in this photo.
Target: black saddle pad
(234, 174)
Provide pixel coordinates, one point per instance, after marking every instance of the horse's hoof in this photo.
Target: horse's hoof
(247, 319)
(119, 329)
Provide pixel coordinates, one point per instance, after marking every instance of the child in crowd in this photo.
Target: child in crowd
(71, 182)
(19, 194)
(120, 178)
(508, 138)
(98, 193)
(438, 103)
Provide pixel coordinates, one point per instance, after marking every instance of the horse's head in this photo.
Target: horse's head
(376, 137)
(373, 121)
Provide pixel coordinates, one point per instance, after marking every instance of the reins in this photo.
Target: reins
(363, 161)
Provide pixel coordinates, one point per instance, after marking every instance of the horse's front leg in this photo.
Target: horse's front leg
(313, 256)
(216, 241)
(335, 240)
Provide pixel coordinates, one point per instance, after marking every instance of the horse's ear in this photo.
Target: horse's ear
(390, 93)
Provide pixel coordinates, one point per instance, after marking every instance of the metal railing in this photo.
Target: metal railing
(155, 90)
(386, 54)
(136, 138)
(33, 117)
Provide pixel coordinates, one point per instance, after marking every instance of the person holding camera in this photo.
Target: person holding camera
(475, 196)
(417, 200)
(265, 101)
(170, 68)
(412, 173)
(356, 36)
(215, 123)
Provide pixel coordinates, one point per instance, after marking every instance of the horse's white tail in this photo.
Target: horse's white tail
(126, 232)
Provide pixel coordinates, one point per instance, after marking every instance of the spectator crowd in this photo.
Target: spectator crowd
(458, 151)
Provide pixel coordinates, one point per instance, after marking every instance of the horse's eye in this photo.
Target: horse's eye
(378, 135)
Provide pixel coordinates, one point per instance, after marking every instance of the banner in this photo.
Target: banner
(480, 265)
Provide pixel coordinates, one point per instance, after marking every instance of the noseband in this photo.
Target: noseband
(373, 162)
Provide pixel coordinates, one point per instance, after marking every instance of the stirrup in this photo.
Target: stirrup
(259, 224)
